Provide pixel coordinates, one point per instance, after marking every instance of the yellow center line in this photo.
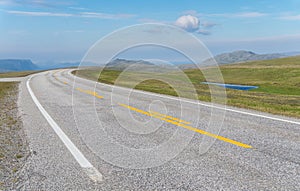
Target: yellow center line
(64, 82)
(143, 112)
(169, 117)
(93, 93)
(190, 128)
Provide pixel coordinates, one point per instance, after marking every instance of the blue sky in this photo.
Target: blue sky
(44, 30)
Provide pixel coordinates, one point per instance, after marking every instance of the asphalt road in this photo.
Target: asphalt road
(100, 137)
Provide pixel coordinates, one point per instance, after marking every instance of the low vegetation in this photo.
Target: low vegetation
(278, 81)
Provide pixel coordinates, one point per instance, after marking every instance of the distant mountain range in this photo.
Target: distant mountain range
(242, 56)
(61, 65)
(15, 65)
(9, 65)
(295, 53)
(121, 64)
(140, 65)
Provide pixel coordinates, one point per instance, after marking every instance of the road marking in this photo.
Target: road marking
(93, 93)
(147, 113)
(169, 117)
(88, 168)
(64, 82)
(190, 128)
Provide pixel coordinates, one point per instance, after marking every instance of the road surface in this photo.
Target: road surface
(62, 120)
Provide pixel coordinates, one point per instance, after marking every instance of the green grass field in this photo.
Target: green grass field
(17, 74)
(278, 81)
(6, 87)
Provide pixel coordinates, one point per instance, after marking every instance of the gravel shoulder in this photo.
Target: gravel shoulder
(14, 150)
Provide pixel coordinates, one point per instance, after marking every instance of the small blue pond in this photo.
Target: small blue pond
(232, 86)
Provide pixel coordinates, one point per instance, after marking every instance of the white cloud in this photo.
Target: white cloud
(29, 13)
(106, 16)
(191, 23)
(291, 17)
(188, 22)
(82, 14)
(35, 3)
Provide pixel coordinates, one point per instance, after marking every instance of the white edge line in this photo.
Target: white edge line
(88, 168)
(193, 102)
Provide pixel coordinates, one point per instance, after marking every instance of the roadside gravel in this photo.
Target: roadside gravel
(14, 150)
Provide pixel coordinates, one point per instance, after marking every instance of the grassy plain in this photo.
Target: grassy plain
(278, 81)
